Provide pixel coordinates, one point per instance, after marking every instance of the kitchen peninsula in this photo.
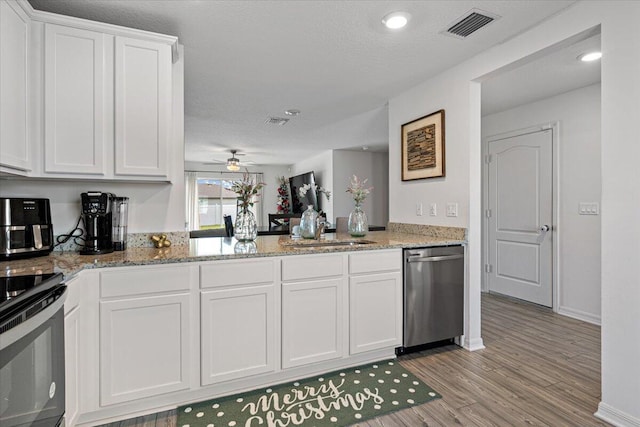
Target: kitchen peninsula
(149, 329)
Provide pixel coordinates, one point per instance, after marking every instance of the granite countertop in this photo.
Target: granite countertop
(215, 248)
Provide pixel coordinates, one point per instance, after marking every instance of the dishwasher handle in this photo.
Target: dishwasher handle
(434, 258)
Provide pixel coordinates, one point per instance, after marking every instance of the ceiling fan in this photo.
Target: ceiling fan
(232, 163)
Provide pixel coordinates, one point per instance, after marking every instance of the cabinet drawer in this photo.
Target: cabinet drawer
(375, 261)
(312, 266)
(144, 280)
(243, 272)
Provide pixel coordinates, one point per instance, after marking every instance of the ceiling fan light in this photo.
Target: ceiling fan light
(233, 164)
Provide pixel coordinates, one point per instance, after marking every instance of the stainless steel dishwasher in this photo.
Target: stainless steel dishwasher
(433, 295)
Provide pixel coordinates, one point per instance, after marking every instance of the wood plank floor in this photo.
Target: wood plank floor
(539, 369)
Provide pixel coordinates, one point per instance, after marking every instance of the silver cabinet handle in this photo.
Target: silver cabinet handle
(434, 258)
(544, 228)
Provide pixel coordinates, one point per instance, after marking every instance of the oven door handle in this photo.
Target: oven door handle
(26, 327)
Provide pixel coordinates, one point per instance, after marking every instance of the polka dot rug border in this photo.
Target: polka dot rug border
(340, 398)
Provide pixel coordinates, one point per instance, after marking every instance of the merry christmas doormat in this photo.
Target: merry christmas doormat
(339, 398)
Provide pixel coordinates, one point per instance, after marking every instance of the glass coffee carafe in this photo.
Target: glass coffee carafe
(120, 212)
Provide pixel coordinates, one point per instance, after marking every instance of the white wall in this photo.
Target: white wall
(153, 207)
(365, 164)
(578, 113)
(270, 175)
(458, 92)
(322, 167)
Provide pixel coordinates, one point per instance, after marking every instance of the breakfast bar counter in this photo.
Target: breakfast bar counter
(218, 248)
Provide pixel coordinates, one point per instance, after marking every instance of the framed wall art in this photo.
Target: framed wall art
(423, 147)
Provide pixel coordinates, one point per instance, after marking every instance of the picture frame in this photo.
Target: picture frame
(422, 142)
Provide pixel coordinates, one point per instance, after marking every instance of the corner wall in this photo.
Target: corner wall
(457, 91)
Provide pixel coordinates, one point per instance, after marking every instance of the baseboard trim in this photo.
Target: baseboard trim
(473, 344)
(616, 417)
(580, 315)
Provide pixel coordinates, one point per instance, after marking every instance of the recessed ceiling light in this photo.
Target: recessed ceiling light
(590, 56)
(292, 112)
(396, 20)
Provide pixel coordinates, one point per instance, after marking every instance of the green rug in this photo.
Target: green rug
(340, 398)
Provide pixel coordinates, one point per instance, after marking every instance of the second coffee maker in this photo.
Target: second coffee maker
(103, 213)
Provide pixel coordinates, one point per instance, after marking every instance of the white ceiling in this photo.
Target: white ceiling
(555, 73)
(248, 60)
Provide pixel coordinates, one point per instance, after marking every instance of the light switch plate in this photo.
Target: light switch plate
(419, 209)
(452, 209)
(433, 209)
(589, 208)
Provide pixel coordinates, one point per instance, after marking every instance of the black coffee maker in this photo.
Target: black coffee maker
(97, 217)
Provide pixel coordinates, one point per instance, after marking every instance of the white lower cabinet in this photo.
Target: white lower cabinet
(147, 337)
(375, 300)
(238, 333)
(144, 347)
(375, 312)
(72, 344)
(312, 322)
(145, 332)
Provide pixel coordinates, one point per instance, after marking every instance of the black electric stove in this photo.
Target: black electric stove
(35, 291)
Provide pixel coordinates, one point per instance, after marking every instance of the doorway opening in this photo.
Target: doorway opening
(552, 96)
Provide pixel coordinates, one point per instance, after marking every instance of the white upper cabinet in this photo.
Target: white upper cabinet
(74, 100)
(85, 100)
(15, 155)
(142, 107)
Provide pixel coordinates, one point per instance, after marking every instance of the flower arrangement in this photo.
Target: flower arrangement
(358, 190)
(302, 191)
(283, 195)
(246, 189)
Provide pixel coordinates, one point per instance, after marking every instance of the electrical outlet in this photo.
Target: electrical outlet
(433, 209)
(452, 209)
(419, 209)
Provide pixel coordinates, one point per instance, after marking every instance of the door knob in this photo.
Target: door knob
(544, 228)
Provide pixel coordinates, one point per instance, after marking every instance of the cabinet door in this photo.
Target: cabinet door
(144, 347)
(72, 360)
(375, 310)
(74, 101)
(238, 333)
(72, 363)
(312, 322)
(14, 39)
(142, 107)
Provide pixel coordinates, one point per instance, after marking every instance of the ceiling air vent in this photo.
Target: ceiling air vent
(280, 121)
(469, 23)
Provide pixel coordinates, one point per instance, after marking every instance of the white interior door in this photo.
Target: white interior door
(520, 216)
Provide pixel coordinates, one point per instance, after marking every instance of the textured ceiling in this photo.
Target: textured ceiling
(247, 60)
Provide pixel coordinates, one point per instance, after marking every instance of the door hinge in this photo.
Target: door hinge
(487, 158)
(488, 268)
(488, 213)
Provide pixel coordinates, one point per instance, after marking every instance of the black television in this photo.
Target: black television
(299, 204)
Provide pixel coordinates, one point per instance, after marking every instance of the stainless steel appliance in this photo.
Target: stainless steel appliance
(97, 217)
(32, 350)
(433, 295)
(25, 228)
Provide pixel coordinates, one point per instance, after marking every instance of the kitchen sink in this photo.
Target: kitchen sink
(331, 244)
